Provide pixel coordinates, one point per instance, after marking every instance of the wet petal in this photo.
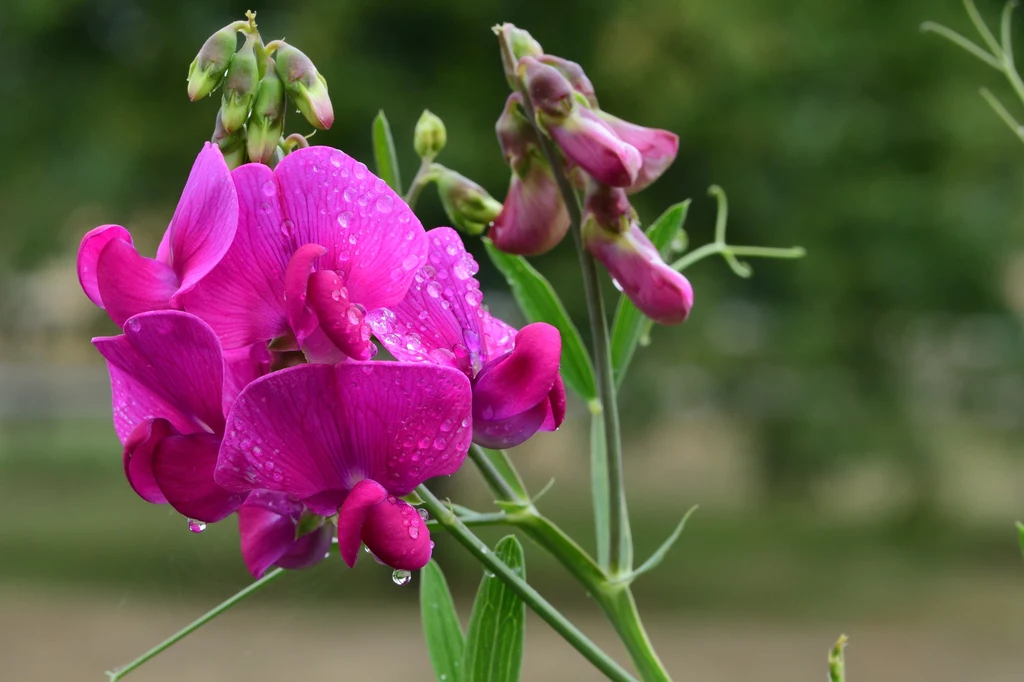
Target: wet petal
(267, 525)
(352, 515)
(183, 469)
(242, 366)
(521, 379)
(534, 218)
(296, 282)
(342, 321)
(89, 256)
(591, 144)
(323, 429)
(397, 535)
(499, 336)
(510, 432)
(129, 284)
(555, 412)
(138, 458)
(658, 148)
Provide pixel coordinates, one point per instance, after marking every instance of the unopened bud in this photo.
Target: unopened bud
(658, 148)
(207, 70)
(515, 133)
(515, 44)
(240, 86)
(575, 74)
(469, 206)
(306, 87)
(266, 124)
(430, 136)
(550, 92)
(232, 145)
(534, 218)
(591, 145)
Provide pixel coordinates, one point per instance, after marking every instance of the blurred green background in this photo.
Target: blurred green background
(850, 423)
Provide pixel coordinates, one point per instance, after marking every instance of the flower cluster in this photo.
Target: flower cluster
(244, 378)
(605, 156)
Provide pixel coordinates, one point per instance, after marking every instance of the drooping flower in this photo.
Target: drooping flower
(277, 530)
(320, 241)
(171, 386)
(613, 237)
(517, 389)
(115, 277)
(658, 148)
(351, 439)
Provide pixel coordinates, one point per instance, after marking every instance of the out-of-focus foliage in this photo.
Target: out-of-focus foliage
(833, 125)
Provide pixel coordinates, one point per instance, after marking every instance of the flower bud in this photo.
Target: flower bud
(658, 148)
(534, 219)
(612, 236)
(240, 86)
(574, 73)
(266, 124)
(516, 44)
(515, 134)
(469, 206)
(232, 145)
(550, 92)
(592, 145)
(430, 136)
(306, 87)
(207, 70)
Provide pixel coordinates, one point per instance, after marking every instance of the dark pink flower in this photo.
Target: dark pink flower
(320, 241)
(115, 277)
(658, 148)
(171, 386)
(335, 437)
(274, 532)
(517, 389)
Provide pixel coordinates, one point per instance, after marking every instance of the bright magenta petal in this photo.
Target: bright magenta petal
(205, 220)
(510, 432)
(183, 469)
(519, 380)
(323, 429)
(534, 218)
(555, 412)
(129, 284)
(267, 525)
(352, 515)
(296, 282)
(138, 458)
(89, 256)
(658, 148)
(242, 366)
(397, 535)
(342, 321)
(591, 144)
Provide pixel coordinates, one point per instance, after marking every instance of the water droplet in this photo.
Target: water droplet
(414, 532)
(404, 218)
(465, 268)
(440, 443)
(434, 289)
(360, 170)
(345, 219)
(451, 250)
(487, 412)
(424, 514)
(352, 239)
(196, 526)
(400, 576)
(384, 204)
(336, 295)
(336, 160)
(474, 297)
(355, 316)
(424, 442)
(616, 283)
(134, 325)
(446, 426)
(409, 262)
(349, 194)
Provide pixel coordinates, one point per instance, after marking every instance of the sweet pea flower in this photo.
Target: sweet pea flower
(517, 389)
(658, 148)
(613, 237)
(278, 530)
(171, 386)
(351, 439)
(320, 241)
(115, 277)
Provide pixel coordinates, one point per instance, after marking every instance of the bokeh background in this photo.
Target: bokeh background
(850, 423)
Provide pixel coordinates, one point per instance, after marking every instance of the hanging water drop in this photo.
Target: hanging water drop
(401, 576)
(424, 514)
(196, 526)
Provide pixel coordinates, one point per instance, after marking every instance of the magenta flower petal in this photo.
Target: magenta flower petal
(397, 535)
(204, 221)
(591, 144)
(183, 469)
(129, 284)
(89, 256)
(167, 364)
(519, 380)
(268, 523)
(555, 412)
(138, 458)
(242, 366)
(658, 148)
(534, 218)
(365, 495)
(499, 336)
(510, 432)
(341, 320)
(296, 282)
(324, 429)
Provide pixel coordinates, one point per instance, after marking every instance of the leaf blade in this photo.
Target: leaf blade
(540, 303)
(441, 628)
(384, 152)
(494, 642)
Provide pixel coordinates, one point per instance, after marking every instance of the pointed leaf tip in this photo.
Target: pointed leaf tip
(660, 553)
(384, 152)
(494, 642)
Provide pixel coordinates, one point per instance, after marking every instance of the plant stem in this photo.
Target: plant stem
(422, 178)
(622, 612)
(493, 476)
(116, 675)
(523, 590)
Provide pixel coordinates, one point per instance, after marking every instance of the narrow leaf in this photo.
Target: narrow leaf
(445, 643)
(1020, 529)
(540, 303)
(384, 153)
(660, 554)
(494, 643)
(630, 324)
(599, 489)
(837, 661)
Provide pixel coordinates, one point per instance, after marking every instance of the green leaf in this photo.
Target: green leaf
(540, 303)
(837, 661)
(660, 553)
(441, 628)
(1020, 529)
(384, 153)
(494, 643)
(630, 324)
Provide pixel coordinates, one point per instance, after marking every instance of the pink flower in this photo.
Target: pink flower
(320, 241)
(351, 439)
(115, 277)
(658, 148)
(273, 533)
(612, 236)
(171, 387)
(517, 389)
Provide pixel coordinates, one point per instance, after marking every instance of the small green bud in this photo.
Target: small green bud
(469, 206)
(240, 86)
(515, 44)
(232, 145)
(304, 84)
(430, 136)
(266, 124)
(207, 70)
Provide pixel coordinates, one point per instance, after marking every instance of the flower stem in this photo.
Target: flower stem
(424, 176)
(439, 511)
(495, 479)
(116, 675)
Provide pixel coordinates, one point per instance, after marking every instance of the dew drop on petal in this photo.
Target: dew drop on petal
(336, 160)
(410, 261)
(434, 289)
(414, 532)
(424, 514)
(400, 576)
(424, 442)
(474, 297)
(345, 219)
(360, 170)
(384, 204)
(134, 325)
(616, 283)
(196, 526)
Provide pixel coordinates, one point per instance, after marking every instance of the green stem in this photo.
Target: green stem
(424, 176)
(622, 612)
(494, 478)
(523, 590)
(116, 675)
